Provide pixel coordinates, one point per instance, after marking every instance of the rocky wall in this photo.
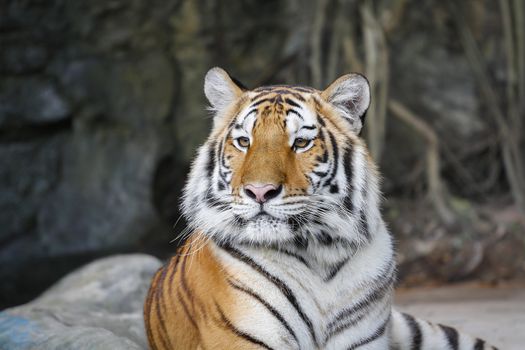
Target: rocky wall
(87, 99)
(101, 109)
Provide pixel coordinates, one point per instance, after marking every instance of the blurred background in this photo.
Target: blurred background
(102, 108)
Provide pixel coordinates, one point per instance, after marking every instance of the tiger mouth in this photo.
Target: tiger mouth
(264, 216)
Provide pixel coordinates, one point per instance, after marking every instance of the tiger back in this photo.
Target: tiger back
(287, 247)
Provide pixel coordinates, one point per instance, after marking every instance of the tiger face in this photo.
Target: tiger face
(283, 164)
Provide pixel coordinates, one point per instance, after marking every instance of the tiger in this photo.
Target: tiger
(287, 246)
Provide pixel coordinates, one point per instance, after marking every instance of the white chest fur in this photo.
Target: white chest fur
(295, 302)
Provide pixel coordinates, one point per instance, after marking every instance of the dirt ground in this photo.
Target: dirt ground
(496, 314)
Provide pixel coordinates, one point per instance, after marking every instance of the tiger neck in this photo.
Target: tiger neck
(320, 251)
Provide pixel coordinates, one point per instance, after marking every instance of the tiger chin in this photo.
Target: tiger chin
(288, 248)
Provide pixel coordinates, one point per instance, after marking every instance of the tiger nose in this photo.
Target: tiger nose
(262, 193)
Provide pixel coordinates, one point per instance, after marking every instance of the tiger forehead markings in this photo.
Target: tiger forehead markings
(272, 121)
(287, 248)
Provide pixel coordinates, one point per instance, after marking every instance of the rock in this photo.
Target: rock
(31, 176)
(87, 103)
(25, 59)
(98, 306)
(31, 101)
(135, 91)
(104, 197)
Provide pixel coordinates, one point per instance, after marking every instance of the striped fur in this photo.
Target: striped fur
(312, 267)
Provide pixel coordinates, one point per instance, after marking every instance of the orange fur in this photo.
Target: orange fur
(190, 304)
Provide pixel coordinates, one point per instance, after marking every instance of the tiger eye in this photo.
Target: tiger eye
(243, 141)
(300, 143)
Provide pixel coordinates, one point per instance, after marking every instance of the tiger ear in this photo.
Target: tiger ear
(350, 94)
(220, 89)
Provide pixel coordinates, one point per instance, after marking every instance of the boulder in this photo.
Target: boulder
(87, 102)
(98, 306)
(31, 101)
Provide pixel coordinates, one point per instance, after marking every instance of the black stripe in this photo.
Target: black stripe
(350, 320)
(185, 309)
(288, 92)
(250, 112)
(235, 123)
(480, 344)
(320, 120)
(300, 242)
(322, 137)
(320, 174)
(174, 268)
(238, 332)
(184, 282)
(378, 333)
(221, 154)
(287, 292)
(324, 238)
(340, 328)
(160, 315)
(297, 96)
(452, 336)
(271, 100)
(308, 127)
(262, 88)
(278, 91)
(415, 331)
(214, 202)
(354, 320)
(269, 307)
(382, 283)
(147, 314)
(240, 221)
(292, 102)
(363, 229)
(323, 158)
(335, 150)
(349, 205)
(296, 113)
(261, 94)
(285, 86)
(296, 256)
(210, 165)
(281, 91)
(222, 163)
(303, 89)
(269, 87)
(335, 269)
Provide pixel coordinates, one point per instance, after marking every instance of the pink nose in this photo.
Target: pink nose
(262, 193)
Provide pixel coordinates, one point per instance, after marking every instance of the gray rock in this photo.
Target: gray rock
(23, 58)
(31, 101)
(102, 76)
(135, 91)
(104, 198)
(32, 174)
(96, 307)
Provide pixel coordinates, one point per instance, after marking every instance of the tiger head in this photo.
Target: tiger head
(283, 164)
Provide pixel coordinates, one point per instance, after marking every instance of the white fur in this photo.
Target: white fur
(350, 95)
(220, 90)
